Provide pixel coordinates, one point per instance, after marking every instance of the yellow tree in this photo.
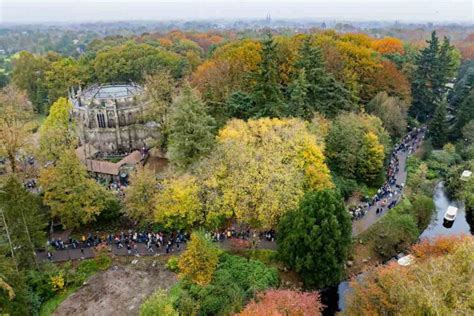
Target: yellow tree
(140, 195)
(260, 169)
(71, 195)
(371, 157)
(15, 123)
(199, 260)
(57, 131)
(177, 203)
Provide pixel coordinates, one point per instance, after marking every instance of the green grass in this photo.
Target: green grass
(48, 307)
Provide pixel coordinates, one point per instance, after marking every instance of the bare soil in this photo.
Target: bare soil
(118, 291)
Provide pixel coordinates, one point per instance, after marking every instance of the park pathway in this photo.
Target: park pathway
(75, 254)
(371, 217)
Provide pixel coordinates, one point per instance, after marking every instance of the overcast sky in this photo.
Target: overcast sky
(23, 11)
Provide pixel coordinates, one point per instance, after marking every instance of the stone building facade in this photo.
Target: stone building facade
(111, 117)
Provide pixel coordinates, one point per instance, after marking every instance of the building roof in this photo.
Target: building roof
(107, 92)
(107, 167)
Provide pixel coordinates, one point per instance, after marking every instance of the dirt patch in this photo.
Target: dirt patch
(119, 290)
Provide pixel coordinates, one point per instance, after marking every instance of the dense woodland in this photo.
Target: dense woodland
(272, 131)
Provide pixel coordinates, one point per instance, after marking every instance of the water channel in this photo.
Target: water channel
(334, 298)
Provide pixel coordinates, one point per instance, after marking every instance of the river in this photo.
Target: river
(334, 298)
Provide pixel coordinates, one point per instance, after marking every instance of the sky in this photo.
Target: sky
(26, 11)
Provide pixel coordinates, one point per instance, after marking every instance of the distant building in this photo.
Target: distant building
(110, 117)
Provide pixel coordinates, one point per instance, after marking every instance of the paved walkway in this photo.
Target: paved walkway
(362, 224)
(75, 254)
(371, 217)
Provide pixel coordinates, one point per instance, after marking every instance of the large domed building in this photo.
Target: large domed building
(110, 117)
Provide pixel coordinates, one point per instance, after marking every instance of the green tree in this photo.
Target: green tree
(465, 113)
(71, 195)
(62, 75)
(348, 146)
(240, 105)
(191, 129)
(392, 111)
(131, 62)
(24, 221)
(298, 104)
(435, 66)
(57, 131)
(140, 195)
(314, 240)
(199, 260)
(438, 126)
(424, 81)
(161, 90)
(29, 74)
(325, 94)
(267, 92)
(398, 230)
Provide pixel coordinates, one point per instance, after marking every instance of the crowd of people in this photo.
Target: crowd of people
(247, 234)
(154, 241)
(389, 193)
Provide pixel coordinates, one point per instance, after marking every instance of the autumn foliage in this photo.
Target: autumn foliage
(439, 282)
(284, 303)
(388, 45)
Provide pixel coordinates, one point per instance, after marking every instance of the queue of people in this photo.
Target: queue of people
(129, 240)
(389, 193)
(220, 236)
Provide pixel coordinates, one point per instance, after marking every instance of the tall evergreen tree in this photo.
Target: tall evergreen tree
(267, 94)
(298, 105)
(240, 105)
(426, 81)
(315, 239)
(191, 129)
(439, 126)
(325, 94)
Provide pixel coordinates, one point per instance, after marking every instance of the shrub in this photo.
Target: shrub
(234, 282)
(57, 282)
(172, 264)
(284, 302)
(395, 233)
(159, 303)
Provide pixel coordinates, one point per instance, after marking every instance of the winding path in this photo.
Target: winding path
(371, 217)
